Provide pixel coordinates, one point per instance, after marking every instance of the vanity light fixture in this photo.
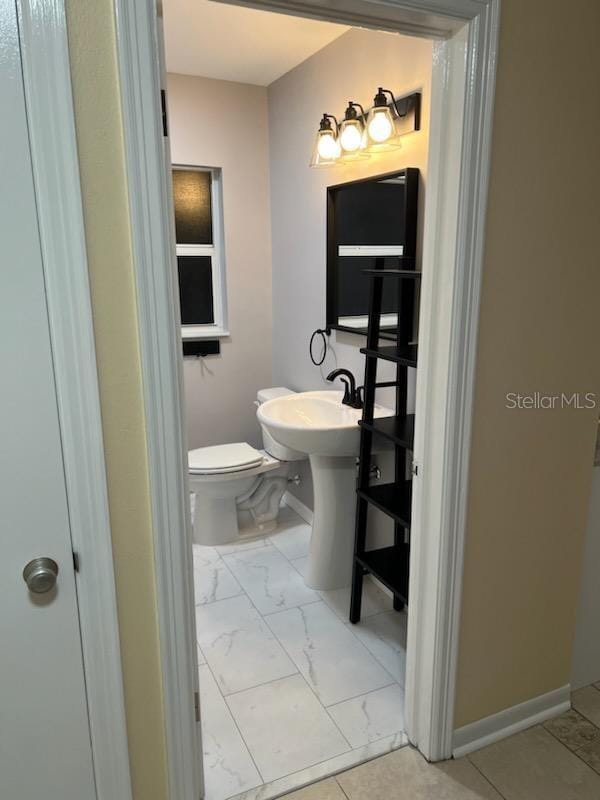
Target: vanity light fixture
(327, 150)
(381, 124)
(353, 135)
(360, 135)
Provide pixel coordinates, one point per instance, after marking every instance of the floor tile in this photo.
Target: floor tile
(587, 702)
(572, 729)
(214, 581)
(384, 635)
(269, 579)
(332, 660)
(533, 765)
(405, 775)
(239, 647)
(590, 753)
(293, 541)
(285, 727)
(371, 716)
(324, 790)
(252, 543)
(288, 518)
(199, 656)
(228, 766)
(203, 555)
(324, 769)
(374, 601)
(300, 564)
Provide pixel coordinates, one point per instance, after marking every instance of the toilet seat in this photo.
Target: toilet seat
(222, 459)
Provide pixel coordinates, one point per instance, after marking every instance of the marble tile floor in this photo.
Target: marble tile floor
(558, 760)
(290, 691)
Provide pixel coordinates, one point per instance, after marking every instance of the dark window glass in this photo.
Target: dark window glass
(195, 290)
(193, 212)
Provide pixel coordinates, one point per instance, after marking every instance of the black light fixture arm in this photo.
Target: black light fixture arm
(350, 112)
(381, 100)
(325, 124)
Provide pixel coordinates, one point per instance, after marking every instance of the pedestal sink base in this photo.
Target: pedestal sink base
(320, 425)
(332, 540)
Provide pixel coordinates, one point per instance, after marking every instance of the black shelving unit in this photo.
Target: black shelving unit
(390, 565)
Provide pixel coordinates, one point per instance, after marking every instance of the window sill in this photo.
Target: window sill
(203, 332)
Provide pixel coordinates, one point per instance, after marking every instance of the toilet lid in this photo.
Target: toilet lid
(223, 458)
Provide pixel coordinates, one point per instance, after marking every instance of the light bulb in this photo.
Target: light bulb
(328, 147)
(380, 126)
(351, 138)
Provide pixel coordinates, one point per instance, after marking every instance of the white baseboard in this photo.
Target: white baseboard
(298, 506)
(380, 585)
(510, 721)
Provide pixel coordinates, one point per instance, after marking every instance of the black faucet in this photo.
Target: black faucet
(351, 393)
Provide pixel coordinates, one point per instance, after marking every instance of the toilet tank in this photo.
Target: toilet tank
(272, 447)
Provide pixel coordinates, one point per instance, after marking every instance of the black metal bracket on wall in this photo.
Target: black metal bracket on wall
(201, 347)
(407, 113)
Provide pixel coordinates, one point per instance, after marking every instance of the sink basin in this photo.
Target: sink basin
(318, 424)
(315, 423)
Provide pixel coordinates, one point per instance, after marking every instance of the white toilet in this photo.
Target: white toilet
(238, 489)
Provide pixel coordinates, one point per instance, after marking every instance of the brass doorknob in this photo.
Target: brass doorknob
(40, 575)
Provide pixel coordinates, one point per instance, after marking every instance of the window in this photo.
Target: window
(200, 262)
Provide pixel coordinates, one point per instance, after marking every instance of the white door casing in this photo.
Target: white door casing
(45, 748)
(462, 105)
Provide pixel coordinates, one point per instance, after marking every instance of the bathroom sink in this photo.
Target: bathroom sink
(315, 423)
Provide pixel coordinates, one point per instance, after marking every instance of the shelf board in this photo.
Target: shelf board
(394, 499)
(404, 354)
(393, 273)
(400, 430)
(390, 566)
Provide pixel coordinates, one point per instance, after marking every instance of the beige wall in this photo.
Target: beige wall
(223, 124)
(351, 67)
(585, 668)
(531, 470)
(99, 138)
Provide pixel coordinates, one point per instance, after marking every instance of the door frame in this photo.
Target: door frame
(463, 86)
(53, 146)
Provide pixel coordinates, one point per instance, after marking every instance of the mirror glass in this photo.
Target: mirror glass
(371, 224)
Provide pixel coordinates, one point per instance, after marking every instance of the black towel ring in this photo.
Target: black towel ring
(321, 332)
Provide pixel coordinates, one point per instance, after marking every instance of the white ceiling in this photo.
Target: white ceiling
(232, 43)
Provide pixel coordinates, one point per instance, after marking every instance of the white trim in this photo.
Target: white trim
(153, 238)
(465, 69)
(197, 332)
(510, 721)
(370, 250)
(299, 507)
(385, 320)
(463, 84)
(46, 75)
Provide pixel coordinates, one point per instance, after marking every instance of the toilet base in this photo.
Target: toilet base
(215, 521)
(251, 513)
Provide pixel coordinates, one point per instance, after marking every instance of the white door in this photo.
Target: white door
(45, 747)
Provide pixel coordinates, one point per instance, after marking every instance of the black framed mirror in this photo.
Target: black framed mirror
(367, 220)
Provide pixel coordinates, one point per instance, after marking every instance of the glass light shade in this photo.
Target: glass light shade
(380, 125)
(351, 135)
(327, 150)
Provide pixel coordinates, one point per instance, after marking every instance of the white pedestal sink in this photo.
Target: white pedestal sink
(316, 423)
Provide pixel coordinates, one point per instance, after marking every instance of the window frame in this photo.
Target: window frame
(216, 252)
